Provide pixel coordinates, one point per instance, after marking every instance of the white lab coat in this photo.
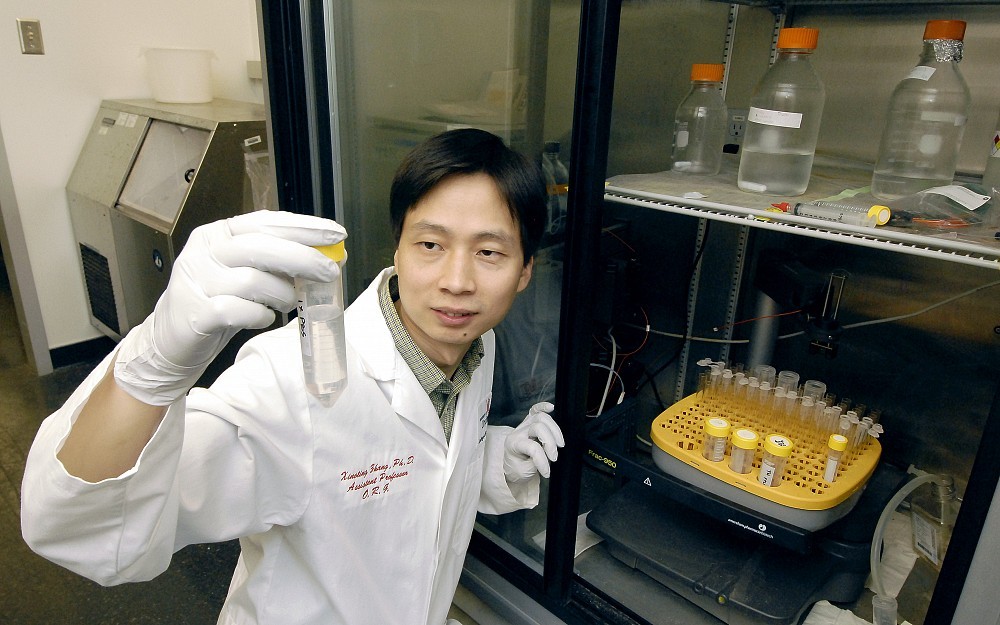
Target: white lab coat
(354, 514)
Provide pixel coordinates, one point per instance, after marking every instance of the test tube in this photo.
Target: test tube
(716, 433)
(788, 380)
(765, 373)
(777, 449)
(834, 450)
(814, 389)
(744, 447)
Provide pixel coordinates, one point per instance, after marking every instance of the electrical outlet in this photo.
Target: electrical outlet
(30, 33)
(737, 125)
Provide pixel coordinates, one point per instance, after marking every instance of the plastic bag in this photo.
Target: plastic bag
(949, 208)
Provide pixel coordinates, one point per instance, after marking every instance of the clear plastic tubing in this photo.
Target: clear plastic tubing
(744, 447)
(834, 450)
(777, 449)
(716, 435)
(321, 332)
(700, 123)
(840, 212)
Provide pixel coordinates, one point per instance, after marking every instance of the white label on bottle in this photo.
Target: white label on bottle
(775, 118)
(921, 72)
(942, 118)
(682, 138)
(967, 198)
(926, 539)
(995, 145)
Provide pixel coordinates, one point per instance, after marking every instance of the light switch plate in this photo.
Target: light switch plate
(30, 33)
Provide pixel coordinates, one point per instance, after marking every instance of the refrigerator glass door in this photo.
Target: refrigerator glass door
(402, 72)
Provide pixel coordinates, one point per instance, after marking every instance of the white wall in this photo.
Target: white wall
(47, 104)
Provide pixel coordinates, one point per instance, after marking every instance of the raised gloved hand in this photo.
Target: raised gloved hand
(231, 275)
(530, 448)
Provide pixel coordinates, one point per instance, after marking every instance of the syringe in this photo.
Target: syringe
(850, 214)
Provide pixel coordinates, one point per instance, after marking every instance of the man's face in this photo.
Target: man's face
(460, 264)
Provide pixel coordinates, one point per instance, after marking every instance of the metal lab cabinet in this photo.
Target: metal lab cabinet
(148, 174)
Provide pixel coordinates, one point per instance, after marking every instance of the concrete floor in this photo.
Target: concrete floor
(34, 591)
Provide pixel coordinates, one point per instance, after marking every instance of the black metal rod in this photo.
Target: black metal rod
(597, 54)
(287, 104)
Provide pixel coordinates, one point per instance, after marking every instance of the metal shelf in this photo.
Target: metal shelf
(721, 200)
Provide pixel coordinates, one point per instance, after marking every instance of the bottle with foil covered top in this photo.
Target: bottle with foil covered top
(926, 118)
(322, 337)
(783, 123)
(700, 122)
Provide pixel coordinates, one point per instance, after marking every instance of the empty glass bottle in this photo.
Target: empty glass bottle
(934, 511)
(700, 122)
(926, 118)
(783, 123)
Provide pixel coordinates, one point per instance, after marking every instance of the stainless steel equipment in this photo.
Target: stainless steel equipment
(148, 174)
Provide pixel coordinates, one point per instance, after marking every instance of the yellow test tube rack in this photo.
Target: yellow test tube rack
(679, 434)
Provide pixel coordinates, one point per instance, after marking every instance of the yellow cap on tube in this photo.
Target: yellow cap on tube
(838, 442)
(717, 426)
(335, 252)
(745, 439)
(778, 445)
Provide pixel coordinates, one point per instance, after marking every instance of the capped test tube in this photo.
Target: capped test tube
(777, 449)
(744, 447)
(716, 434)
(834, 450)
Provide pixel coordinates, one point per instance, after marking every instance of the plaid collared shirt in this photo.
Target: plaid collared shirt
(442, 391)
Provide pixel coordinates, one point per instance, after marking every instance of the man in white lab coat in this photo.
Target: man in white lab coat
(352, 514)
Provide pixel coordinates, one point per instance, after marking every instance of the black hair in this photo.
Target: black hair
(471, 151)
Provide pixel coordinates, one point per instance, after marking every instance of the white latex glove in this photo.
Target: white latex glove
(530, 448)
(231, 275)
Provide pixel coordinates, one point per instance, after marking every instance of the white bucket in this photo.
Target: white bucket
(178, 75)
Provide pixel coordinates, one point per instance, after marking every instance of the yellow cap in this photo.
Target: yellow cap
(717, 426)
(838, 442)
(708, 71)
(745, 439)
(778, 445)
(880, 214)
(800, 38)
(335, 252)
(945, 29)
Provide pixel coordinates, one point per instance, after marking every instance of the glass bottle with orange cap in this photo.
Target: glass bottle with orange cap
(783, 123)
(926, 118)
(700, 122)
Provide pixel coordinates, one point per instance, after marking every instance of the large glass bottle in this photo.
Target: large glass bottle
(700, 122)
(926, 118)
(783, 123)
